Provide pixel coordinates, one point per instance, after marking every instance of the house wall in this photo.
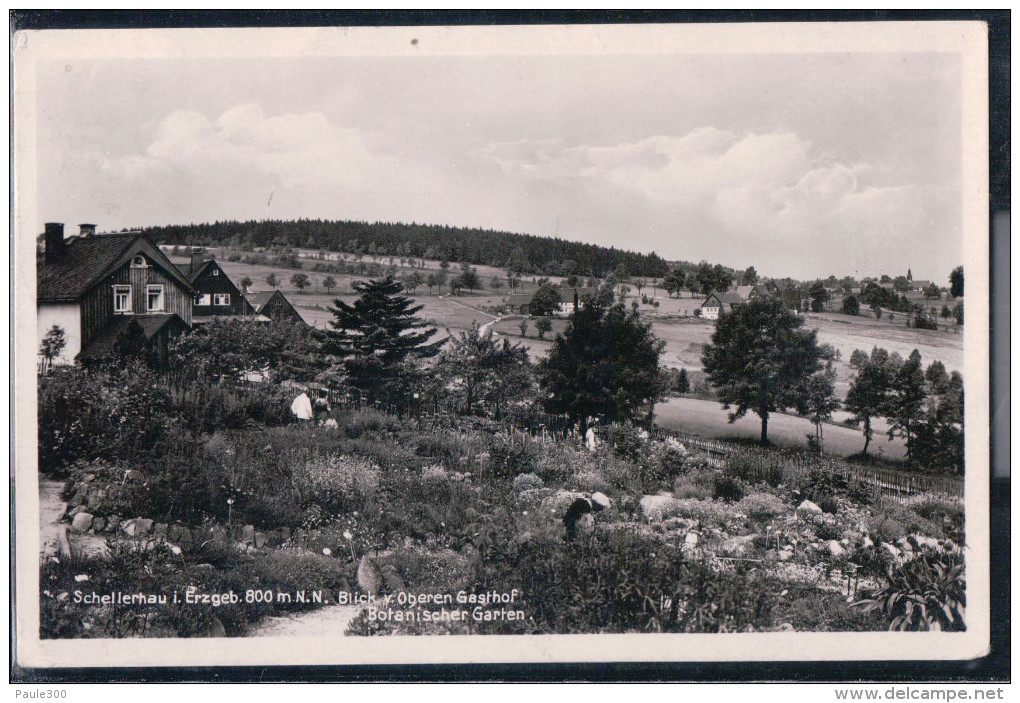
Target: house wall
(68, 317)
(279, 308)
(210, 284)
(710, 313)
(97, 303)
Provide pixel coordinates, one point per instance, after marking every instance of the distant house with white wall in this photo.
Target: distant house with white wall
(96, 286)
(717, 304)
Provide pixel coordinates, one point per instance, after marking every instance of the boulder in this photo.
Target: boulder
(248, 534)
(690, 541)
(98, 524)
(808, 508)
(835, 548)
(785, 554)
(392, 579)
(112, 523)
(558, 502)
(139, 527)
(369, 576)
(737, 546)
(159, 530)
(82, 522)
(260, 539)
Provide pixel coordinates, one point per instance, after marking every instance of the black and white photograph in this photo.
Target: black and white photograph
(501, 344)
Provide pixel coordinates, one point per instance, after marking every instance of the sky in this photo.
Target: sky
(801, 164)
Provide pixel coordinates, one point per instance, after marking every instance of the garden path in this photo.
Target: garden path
(51, 510)
(331, 621)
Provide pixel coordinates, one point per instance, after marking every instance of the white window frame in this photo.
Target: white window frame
(216, 272)
(204, 299)
(162, 298)
(134, 262)
(126, 291)
(221, 299)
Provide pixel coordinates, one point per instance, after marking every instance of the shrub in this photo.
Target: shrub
(208, 407)
(761, 507)
(112, 414)
(628, 442)
(525, 482)
(925, 593)
(698, 486)
(434, 473)
(337, 483)
(755, 467)
(828, 504)
(946, 512)
(908, 521)
(728, 488)
(821, 483)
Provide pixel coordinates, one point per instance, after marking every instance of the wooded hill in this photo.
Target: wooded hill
(522, 253)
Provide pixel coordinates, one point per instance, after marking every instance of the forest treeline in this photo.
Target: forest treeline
(521, 253)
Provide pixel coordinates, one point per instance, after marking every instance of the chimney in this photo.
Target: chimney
(54, 242)
(197, 257)
(86, 230)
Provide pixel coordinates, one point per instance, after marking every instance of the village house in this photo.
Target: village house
(717, 304)
(274, 305)
(217, 297)
(94, 287)
(570, 300)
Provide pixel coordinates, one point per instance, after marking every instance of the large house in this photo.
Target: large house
(217, 295)
(274, 305)
(100, 288)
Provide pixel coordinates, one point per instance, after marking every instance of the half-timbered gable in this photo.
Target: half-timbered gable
(90, 284)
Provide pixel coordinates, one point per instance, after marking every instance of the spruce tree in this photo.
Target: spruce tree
(906, 402)
(380, 337)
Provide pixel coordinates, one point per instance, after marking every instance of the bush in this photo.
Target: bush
(761, 507)
(336, 483)
(525, 482)
(207, 407)
(820, 484)
(112, 414)
(755, 467)
(628, 442)
(945, 512)
(728, 488)
(926, 593)
(698, 486)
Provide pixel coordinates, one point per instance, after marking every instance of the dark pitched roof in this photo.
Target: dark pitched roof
(259, 300)
(105, 342)
(193, 272)
(86, 260)
(725, 299)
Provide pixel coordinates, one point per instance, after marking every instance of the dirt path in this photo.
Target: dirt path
(331, 621)
(51, 510)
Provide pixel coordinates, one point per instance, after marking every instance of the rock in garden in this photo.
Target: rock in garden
(808, 508)
(82, 522)
(866, 542)
(737, 546)
(98, 524)
(785, 554)
(139, 527)
(835, 548)
(891, 548)
(369, 577)
(690, 541)
(929, 542)
(248, 534)
(159, 530)
(260, 539)
(391, 578)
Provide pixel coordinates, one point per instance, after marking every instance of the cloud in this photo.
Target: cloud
(749, 191)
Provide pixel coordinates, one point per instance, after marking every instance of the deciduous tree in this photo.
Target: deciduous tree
(606, 363)
(760, 359)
